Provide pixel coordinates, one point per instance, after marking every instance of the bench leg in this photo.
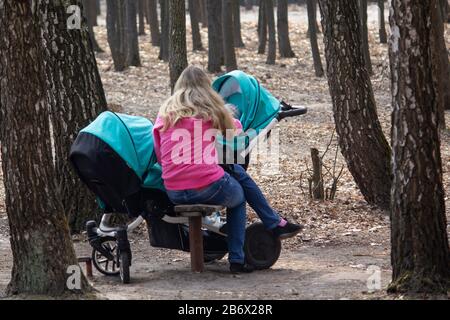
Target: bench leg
(196, 244)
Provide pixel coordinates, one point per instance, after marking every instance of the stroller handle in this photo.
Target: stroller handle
(292, 112)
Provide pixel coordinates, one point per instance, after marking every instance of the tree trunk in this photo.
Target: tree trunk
(361, 139)
(420, 252)
(132, 36)
(248, 5)
(76, 97)
(381, 22)
(152, 11)
(365, 35)
(441, 65)
(203, 12)
(284, 43)
(141, 13)
(272, 53)
(228, 35)
(165, 26)
(215, 38)
(262, 28)
(90, 12)
(238, 42)
(39, 234)
(195, 25)
(318, 68)
(115, 26)
(178, 52)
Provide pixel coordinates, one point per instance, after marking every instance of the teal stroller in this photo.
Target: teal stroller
(114, 157)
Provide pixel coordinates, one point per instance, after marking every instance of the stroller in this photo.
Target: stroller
(114, 157)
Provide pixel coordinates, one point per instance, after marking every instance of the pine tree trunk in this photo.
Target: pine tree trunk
(76, 97)
(203, 12)
(178, 52)
(365, 35)
(262, 28)
(141, 14)
(90, 12)
(381, 22)
(361, 139)
(194, 11)
(215, 38)
(284, 43)
(228, 35)
(115, 26)
(165, 26)
(39, 234)
(318, 68)
(420, 248)
(272, 53)
(238, 42)
(152, 12)
(132, 35)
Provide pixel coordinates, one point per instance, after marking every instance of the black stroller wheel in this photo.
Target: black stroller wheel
(103, 264)
(262, 249)
(124, 267)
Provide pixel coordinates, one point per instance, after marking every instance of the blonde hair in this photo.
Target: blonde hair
(194, 97)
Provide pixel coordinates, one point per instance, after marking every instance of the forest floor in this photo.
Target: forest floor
(344, 240)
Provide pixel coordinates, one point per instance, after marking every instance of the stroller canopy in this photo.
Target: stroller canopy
(132, 139)
(256, 107)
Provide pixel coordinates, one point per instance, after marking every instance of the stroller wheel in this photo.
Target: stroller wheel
(262, 249)
(125, 267)
(102, 263)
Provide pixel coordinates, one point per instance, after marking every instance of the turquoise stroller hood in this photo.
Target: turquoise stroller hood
(255, 106)
(132, 139)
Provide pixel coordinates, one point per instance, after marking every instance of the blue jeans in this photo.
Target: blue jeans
(232, 192)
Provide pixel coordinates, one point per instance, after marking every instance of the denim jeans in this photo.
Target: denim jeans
(232, 192)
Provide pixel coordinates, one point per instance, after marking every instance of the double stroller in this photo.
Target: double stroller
(114, 156)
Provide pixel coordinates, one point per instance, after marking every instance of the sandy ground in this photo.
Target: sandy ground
(343, 240)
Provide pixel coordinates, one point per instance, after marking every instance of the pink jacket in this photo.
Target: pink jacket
(187, 154)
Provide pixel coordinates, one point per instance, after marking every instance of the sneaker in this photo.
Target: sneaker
(288, 231)
(236, 268)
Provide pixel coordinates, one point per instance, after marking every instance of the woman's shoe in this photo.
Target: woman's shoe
(236, 268)
(288, 231)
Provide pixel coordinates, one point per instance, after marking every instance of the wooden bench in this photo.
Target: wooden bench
(195, 213)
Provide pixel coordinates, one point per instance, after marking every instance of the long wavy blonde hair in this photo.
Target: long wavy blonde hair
(194, 97)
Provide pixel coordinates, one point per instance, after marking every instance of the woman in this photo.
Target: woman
(184, 133)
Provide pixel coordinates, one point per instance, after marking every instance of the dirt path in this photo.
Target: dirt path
(309, 272)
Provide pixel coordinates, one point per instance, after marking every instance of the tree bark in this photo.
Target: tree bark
(284, 43)
(141, 14)
(272, 53)
(152, 11)
(115, 26)
(360, 136)
(441, 65)
(194, 11)
(420, 251)
(132, 36)
(178, 52)
(215, 39)
(262, 28)
(238, 42)
(365, 35)
(75, 97)
(39, 234)
(312, 23)
(228, 35)
(165, 29)
(381, 22)
(90, 12)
